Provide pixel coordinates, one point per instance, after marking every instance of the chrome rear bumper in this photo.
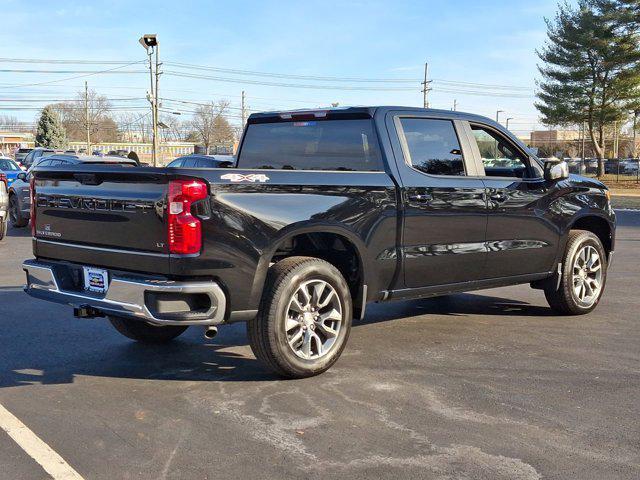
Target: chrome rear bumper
(128, 295)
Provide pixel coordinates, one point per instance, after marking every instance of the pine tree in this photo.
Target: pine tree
(50, 132)
(591, 70)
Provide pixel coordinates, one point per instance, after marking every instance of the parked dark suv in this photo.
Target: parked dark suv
(323, 212)
(203, 161)
(35, 155)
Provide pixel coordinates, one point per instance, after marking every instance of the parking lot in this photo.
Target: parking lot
(488, 385)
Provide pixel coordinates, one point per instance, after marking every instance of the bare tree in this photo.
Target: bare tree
(75, 118)
(9, 122)
(134, 127)
(211, 126)
(174, 130)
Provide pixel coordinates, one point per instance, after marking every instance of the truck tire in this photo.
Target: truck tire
(584, 274)
(17, 220)
(304, 318)
(144, 332)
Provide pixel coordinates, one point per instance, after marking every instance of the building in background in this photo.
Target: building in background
(10, 141)
(547, 136)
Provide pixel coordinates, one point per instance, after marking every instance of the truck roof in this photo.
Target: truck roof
(358, 112)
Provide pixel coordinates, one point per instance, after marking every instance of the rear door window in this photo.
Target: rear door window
(433, 146)
(349, 145)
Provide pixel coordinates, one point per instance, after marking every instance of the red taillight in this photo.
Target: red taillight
(185, 231)
(32, 195)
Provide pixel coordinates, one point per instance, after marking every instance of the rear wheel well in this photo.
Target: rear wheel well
(333, 248)
(599, 227)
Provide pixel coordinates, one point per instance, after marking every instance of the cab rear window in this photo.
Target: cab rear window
(349, 145)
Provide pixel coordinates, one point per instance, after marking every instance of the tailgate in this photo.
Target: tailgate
(108, 207)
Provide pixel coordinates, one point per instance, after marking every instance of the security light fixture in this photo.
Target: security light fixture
(149, 40)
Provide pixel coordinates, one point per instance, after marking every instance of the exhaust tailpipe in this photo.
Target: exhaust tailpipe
(210, 332)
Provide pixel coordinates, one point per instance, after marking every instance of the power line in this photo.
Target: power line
(482, 93)
(62, 100)
(23, 70)
(292, 76)
(278, 84)
(234, 71)
(70, 78)
(65, 62)
(480, 85)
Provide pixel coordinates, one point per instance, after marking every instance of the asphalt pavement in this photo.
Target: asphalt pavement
(485, 385)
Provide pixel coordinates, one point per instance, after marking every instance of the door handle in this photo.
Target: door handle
(423, 198)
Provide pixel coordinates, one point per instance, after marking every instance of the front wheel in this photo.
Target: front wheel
(584, 273)
(304, 319)
(144, 332)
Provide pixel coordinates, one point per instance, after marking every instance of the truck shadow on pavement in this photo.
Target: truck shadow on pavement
(48, 346)
(458, 305)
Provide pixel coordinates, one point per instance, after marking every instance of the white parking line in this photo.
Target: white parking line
(42, 453)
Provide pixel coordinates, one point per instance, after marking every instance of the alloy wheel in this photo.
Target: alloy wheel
(587, 275)
(314, 319)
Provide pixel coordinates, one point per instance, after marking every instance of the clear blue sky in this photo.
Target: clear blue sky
(488, 42)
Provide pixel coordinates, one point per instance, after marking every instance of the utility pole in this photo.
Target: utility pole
(455, 105)
(243, 112)
(425, 86)
(86, 116)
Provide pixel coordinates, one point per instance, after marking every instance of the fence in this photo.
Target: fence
(617, 170)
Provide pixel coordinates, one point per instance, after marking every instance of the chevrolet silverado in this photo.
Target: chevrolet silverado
(323, 212)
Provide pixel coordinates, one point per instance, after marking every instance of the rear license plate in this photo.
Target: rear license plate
(95, 279)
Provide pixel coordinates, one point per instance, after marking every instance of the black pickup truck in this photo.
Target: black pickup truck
(323, 212)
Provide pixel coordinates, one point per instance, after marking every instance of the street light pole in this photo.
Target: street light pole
(156, 105)
(150, 44)
(510, 118)
(498, 112)
(584, 138)
(635, 122)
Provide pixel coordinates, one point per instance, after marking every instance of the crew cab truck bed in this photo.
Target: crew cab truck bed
(324, 212)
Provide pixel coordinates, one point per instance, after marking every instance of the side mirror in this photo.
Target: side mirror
(555, 170)
(22, 176)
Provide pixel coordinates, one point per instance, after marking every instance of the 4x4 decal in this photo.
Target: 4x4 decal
(251, 177)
